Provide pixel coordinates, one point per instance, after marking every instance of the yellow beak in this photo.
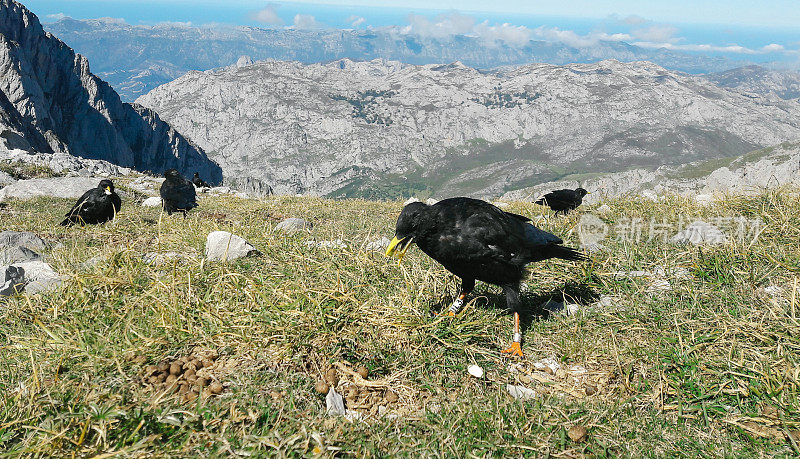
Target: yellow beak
(398, 247)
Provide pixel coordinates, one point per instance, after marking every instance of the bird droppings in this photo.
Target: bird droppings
(700, 233)
(190, 376)
(577, 434)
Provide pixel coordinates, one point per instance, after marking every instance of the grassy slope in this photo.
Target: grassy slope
(693, 371)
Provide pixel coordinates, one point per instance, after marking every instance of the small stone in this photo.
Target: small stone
(163, 367)
(577, 433)
(590, 390)
(171, 379)
(154, 201)
(520, 392)
(175, 369)
(150, 369)
(475, 371)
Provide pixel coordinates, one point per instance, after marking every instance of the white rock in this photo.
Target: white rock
(704, 199)
(222, 245)
(699, 233)
(500, 204)
(520, 392)
(430, 201)
(659, 285)
(606, 302)
(604, 209)
(5, 179)
(475, 371)
(410, 200)
(378, 245)
(154, 201)
(293, 225)
(548, 362)
(572, 308)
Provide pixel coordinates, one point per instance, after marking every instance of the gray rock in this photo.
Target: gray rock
(5, 179)
(56, 187)
(699, 233)
(39, 277)
(17, 254)
(293, 225)
(22, 239)
(222, 245)
(153, 201)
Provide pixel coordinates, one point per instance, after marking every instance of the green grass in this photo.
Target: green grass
(709, 368)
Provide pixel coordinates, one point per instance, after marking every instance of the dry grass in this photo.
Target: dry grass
(709, 367)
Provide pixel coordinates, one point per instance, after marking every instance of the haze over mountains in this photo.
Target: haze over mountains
(136, 58)
(51, 102)
(383, 129)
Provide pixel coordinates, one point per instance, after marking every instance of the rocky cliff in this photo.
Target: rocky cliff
(51, 102)
(385, 129)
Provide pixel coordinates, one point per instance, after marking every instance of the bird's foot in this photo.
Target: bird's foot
(447, 313)
(514, 351)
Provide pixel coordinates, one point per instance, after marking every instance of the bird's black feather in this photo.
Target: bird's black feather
(563, 200)
(96, 206)
(177, 193)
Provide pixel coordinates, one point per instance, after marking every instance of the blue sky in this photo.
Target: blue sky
(733, 28)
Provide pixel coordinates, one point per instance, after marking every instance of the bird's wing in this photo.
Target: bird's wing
(82, 202)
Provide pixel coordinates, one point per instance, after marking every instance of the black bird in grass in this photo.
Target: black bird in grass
(177, 193)
(198, 182)
(98, 205)
(477, 241)
(563, 200)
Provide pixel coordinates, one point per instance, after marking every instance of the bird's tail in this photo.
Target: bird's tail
(567, 253)
(67, 222)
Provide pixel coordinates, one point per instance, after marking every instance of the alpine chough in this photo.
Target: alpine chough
(177, 193)
(563, 200)
(98, 205)
(477, 241)
(198, 182)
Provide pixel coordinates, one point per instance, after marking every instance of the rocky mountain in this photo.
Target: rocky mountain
(385, 129)
(751, 173)
(136, 58)
(51, 102)
(758, 80)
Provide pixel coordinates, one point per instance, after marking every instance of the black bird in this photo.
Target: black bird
(98, 205)
(198, 182)
(477, 241)
(563, 200)
(177, 193)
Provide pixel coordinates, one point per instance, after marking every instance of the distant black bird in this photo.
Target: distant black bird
(97, 205)
(563, 200)
(476, 240)
(198, 182)
(177, 193)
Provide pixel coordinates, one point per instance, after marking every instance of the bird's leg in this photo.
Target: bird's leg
(466, 286)
(512, 300)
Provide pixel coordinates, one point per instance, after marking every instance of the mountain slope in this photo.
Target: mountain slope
(755, 79)
(384, 129)
(51, 102)
(137, 58)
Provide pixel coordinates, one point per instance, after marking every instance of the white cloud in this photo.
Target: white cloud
(267, 15)
(655, 33)
(772, 47)
(356, 21)
(697, 47)
(448, 25)
(634, 20)
(56, 16)
(306, 21)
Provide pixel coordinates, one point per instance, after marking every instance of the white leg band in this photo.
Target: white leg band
(457, 305)
(517, 337)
